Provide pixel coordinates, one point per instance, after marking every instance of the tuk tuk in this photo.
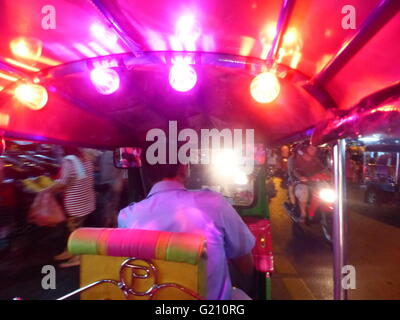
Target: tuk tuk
(381, 172)
(103, 74)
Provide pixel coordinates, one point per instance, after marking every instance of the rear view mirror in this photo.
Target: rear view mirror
(127, 157)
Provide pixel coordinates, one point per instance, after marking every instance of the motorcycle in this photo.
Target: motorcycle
(319, 209)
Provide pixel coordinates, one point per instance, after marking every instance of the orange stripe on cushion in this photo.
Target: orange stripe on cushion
(162, 245)
(102, 241)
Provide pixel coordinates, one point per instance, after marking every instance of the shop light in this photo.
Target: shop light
(182, 77)
(106, 81)
(265, 87)
(33, 96)
(373, 138)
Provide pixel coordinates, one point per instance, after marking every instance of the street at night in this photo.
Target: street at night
(200, 150)
(303, 259)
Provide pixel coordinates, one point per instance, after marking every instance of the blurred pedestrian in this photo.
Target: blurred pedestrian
(109, 190)
(76, 184)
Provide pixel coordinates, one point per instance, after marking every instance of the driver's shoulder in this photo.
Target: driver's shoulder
(205, 192)
(128, 208)
(208, 196)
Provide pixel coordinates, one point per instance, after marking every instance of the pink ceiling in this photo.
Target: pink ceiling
(235, 27)
(375, 67)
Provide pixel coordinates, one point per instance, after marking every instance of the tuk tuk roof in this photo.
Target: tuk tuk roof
(324, 67)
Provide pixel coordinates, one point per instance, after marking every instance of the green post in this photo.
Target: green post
(268, 294)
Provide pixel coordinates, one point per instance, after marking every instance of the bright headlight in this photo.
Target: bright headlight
(327, 195)
(225, 162)
(241, 178)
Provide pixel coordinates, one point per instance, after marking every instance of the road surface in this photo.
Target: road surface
(303, 261)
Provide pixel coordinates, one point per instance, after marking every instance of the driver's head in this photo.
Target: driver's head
(158, 171)
(311, 151)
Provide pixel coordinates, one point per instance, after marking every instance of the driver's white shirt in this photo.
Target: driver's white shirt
(170, 207)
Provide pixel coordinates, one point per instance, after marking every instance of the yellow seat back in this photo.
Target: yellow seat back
(140, 264)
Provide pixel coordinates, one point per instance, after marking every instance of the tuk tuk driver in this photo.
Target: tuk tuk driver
(169, 206)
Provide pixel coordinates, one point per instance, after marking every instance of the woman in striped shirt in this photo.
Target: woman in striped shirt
(76, 183)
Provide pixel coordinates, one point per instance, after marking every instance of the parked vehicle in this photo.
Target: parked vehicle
(381, 173)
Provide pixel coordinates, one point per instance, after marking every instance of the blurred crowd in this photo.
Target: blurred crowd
(51, 187)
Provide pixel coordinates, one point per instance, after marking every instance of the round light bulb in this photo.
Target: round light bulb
(34, 96)
(27, 48)
(265, 87)
(182, 77)
(106, 81)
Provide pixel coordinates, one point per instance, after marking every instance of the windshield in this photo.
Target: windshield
(225, 173)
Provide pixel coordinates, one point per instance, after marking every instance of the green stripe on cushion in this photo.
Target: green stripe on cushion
(84, 241)
(185, 247)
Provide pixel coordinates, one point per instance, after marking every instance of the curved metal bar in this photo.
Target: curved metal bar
(132, 45)
(126, 290)
(322, 96)
(175, 286)
(94, 284)
(385, 11)
(128, 60)
(377, 113)
(152, 270)
(283, 22)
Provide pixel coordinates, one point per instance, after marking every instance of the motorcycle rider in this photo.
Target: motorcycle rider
(307, 167)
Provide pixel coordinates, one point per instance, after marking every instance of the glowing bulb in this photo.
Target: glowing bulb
(265, 87)
(34, 96)
(182, 77)
(290, 37)
(27, 48)
(106, 81)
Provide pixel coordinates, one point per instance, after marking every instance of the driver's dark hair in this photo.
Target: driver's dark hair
(157, 172)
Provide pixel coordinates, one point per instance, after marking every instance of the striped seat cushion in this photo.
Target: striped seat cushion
(143, 244)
